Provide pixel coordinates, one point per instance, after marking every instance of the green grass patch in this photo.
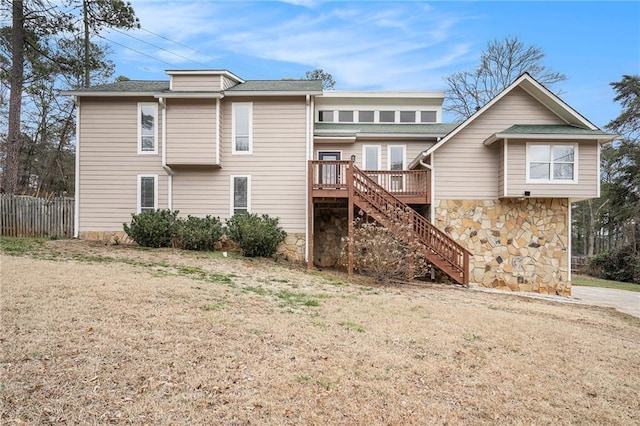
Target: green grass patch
(353, 326)
(587, 281)
(294, 299)
(15, 246)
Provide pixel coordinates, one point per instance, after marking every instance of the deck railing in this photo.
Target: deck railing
(332, 175)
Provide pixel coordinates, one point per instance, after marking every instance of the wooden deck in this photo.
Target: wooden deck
(328, 179)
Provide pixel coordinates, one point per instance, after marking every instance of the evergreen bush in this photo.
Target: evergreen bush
(257, 236)
(153, 228)
(198, 233)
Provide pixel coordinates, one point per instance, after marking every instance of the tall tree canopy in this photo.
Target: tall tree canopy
(319, 74)
(501, 63)
(46, 48)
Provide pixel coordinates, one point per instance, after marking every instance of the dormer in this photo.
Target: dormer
(202, 80)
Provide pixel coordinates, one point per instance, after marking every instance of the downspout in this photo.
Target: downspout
(76, 201)
(166, 168)
(306, 173)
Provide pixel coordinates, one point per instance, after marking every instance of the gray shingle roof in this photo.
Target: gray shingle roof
(131, 86)
(278, 86)
(543, 129)
(352, 129)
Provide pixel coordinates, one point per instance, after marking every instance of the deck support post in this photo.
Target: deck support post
(350, 219)
(310, 217)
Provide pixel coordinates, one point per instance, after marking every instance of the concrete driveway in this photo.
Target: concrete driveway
(624, 301)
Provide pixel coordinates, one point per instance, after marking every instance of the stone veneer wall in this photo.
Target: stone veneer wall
(330, 227)
(292, 248)
(519, 245)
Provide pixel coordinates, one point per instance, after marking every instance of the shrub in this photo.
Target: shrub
(380, 252)
(153, 228)
(256, 235)
(620, 264)
(198, 233)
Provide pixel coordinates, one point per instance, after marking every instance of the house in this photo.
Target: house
(489, 199)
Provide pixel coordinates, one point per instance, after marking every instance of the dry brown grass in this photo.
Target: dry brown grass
(185, 338)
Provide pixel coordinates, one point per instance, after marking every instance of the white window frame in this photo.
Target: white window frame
(402, 181)
(404, 156)
(155, 122)
(232, 193)
(551, 180)
(234, 105)
(364, 156)
(155, 192)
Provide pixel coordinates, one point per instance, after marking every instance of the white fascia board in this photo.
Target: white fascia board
(551, 100)
(271, 93)
(382, 94)
(539, 136)
(397, 136)
(206, 72)
(334, 139)
(185, 95)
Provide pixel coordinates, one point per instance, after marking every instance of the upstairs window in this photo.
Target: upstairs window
(345, 116)
(325, 116)
(147, 193)
(242, 128)
(147, 128)
(551, 162)
(387, 116)
(407, 116)
(428, 116)
(366, 116)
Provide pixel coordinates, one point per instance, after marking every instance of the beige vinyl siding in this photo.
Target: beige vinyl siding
(110, 163)
(191, 131)
(467, 169)
(277, 167)
(587, 169)
(195, 82)
(412, 149)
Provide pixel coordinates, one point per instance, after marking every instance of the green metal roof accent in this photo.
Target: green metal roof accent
(278, 86)
(545, 129)
(130, 86)
(353, 129)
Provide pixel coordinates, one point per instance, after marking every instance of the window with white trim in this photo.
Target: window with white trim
(387, 116)
(551, 162)
(325, 116)
(240, 194)
(396, 158)
(366, 116)
(147, 193)
(428, 116)
(407, 116)
(345, 116)
(147, 128)
(242, 125)
(371, 157)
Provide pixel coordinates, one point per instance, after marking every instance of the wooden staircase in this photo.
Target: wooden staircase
(386, 209)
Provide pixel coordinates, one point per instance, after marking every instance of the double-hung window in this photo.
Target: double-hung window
(240, 194)
(147, 128)
(551, 162)
(147, 193)
(242, 117)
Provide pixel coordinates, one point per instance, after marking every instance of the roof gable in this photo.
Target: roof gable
(552, 102)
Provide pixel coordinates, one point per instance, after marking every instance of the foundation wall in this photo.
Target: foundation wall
(519, 245)
(330, 228)
(292, 248)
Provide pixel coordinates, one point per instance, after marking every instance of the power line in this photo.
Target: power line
(161, 48)
(137, 51)
(178, 43)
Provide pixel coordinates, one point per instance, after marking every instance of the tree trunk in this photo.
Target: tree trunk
(14, 140)
(85, 17)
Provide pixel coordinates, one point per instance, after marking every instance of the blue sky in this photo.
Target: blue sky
(384, 45)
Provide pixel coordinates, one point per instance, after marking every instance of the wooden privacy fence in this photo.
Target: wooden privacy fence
(25, 216)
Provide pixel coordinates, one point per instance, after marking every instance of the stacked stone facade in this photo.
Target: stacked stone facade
(520, 245)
